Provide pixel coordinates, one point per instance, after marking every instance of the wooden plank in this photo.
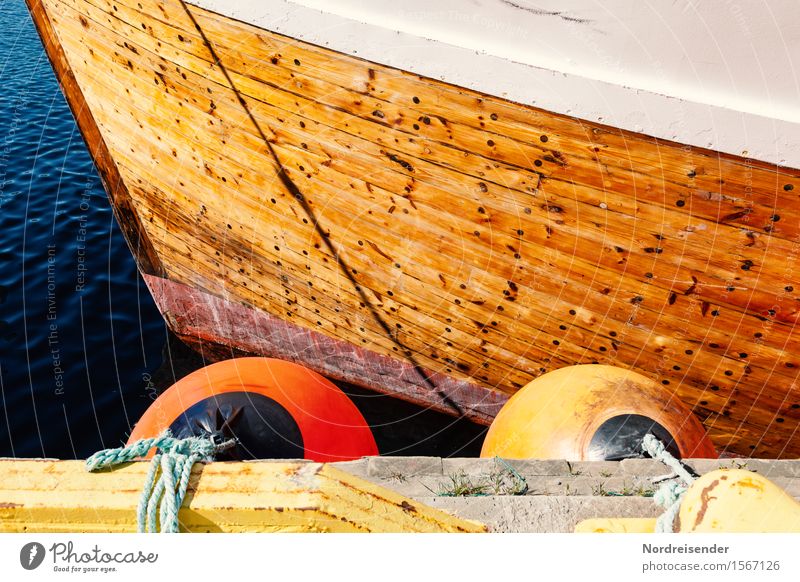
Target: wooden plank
(45, 496)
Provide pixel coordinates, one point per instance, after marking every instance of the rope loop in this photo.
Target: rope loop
(670, 494)
(168, 477)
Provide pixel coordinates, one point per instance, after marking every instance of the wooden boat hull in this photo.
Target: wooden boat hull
(426, 240)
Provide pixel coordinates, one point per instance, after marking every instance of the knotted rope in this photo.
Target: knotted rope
(162, 495)
(670, 494)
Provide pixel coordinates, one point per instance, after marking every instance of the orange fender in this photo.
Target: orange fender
(332, 427)
(557, 415)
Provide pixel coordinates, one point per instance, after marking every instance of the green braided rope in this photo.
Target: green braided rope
(670, 494)
(167, 479)
(147, 495)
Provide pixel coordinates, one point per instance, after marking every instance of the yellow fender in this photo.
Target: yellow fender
(725, 500)
(735, 500)
(556, 415)
(617, 525)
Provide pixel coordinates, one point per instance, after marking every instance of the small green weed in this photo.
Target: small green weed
(502, 480)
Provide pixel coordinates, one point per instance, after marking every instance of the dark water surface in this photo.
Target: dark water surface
(79, 333)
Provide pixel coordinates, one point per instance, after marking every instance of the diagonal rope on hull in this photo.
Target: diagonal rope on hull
(294, 190)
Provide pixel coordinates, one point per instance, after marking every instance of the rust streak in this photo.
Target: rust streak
(704, 499)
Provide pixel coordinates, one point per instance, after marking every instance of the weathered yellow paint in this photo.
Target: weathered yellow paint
(617, 525)
(61, 496)
(735, 500)
(725, 500)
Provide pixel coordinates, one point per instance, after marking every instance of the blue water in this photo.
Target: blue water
(79, 334)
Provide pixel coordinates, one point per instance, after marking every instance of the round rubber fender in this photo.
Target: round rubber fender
(276, 409)
(735, 500)
(593, 412)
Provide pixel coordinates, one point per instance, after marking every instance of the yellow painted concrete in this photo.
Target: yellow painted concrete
(61, 496)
